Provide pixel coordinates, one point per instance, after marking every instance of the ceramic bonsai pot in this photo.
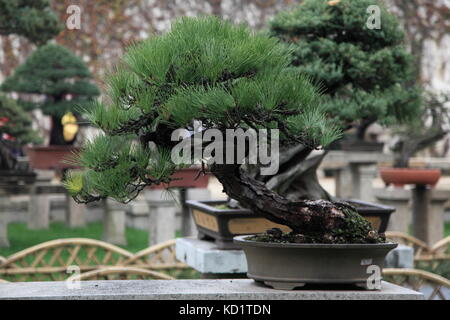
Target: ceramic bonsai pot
(288, 266)
(401, 176)
(187, 178)
(50, 157)
(222, 224)
(377, 214)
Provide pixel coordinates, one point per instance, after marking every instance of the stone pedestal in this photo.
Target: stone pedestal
(355, 171)
(38, 209)
(207, 258)
(344, 182)
(75, 213)
(162, 211)
(236, 289)
(137, 213)
(4, 220)
(363, 180)
(428, 213)
(399, 199)
(400, 257)
(114, 222)
(354, 181)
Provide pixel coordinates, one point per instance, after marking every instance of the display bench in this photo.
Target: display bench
(231, 289)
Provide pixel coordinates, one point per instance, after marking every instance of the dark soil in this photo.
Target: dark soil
(355, 229)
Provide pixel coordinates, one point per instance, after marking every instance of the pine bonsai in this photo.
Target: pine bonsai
(431, 126)
(32, 19)
(365, 73)
(59, 79)
(225, 76)
(15, 131)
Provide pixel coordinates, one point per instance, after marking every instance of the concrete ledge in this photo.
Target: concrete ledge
(236, 289)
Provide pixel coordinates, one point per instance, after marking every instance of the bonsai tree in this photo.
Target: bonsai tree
(15, 131)
(424, 131)
(225, 76)
(365, 74)
(61, 82)
(30, 18)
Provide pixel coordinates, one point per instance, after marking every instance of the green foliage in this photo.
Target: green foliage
(32, 19)
(365, 73)
(15, 131)
(16, 123)
(203, 69)
(57, 74)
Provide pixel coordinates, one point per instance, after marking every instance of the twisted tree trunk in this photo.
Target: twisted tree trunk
(297, 176)
(320, 220)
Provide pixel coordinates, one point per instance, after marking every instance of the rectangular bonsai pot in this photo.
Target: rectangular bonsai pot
(51, 157)
(221, 225)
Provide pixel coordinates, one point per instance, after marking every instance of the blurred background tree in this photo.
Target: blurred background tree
(424, 131)
(32, 19)
(366, 75)
(15, 132)
(61, 82)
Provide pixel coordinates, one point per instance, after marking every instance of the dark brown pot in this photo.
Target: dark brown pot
(187, 178)
(401, 176)
(51, 157)
(221, 225)
(289, 265)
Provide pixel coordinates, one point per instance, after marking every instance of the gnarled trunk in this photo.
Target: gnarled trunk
(321, 220)
(297, 176)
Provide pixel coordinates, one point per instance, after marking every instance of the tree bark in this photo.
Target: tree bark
(297, 177)
(301, 216)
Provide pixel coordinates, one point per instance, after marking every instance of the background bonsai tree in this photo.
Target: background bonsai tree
(424, 131)
(15, 131)
(365, 74)
(30, 18)
(59, 79)
(208, 70)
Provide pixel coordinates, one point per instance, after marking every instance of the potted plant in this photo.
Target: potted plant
(57, 82)
(227, 77)
(222, 220)
(414, 137)
(15, 132)
(356, 94)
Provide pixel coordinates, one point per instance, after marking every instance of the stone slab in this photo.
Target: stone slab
(235, 289)
(205, 257)
(357, 157)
